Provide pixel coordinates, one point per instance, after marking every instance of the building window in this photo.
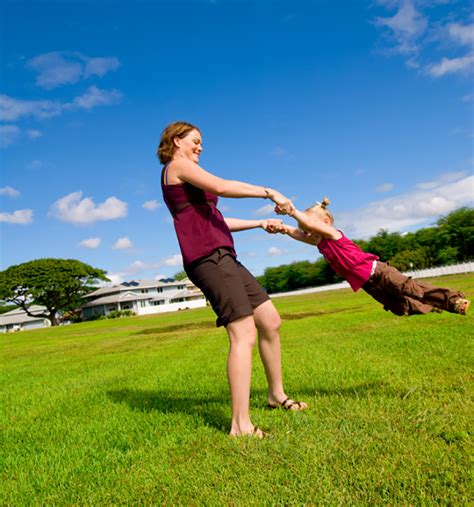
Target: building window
(159, 289)
(157, 303)
(142, 304)
(144, 291)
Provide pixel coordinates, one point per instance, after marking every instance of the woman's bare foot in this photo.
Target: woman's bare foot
(256, 432)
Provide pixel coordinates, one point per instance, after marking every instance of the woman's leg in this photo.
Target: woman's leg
(242, 335)
(268, 322)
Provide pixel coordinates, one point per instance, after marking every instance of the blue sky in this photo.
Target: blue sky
(367, 102)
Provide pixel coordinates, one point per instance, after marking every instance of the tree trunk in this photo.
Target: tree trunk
(52, 318)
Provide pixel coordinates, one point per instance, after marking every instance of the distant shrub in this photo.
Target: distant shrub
(117, 314)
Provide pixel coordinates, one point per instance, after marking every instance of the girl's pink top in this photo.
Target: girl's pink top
(199, 225)
(347, 260)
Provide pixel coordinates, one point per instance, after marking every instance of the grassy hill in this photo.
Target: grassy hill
(137, 411)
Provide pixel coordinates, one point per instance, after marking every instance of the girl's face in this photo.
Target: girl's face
(190, 146)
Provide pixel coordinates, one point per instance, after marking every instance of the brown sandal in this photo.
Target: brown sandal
(288, 404)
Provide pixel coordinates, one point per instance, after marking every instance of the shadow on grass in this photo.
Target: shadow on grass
(362, 390)
(213, 411)
(177, 327)
(304, 315)
(190, 326)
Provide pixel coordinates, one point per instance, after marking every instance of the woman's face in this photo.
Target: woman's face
(190, 146)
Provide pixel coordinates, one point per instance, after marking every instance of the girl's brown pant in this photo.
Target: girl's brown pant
(402, 295)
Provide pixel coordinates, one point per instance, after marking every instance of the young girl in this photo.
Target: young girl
(398, 293)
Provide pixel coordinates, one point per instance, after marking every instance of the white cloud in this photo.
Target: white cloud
(413, 35)
(463, 34)
(94, 97)
(173, 260)
(425, 203)
(35, 164)
(12, 109)
(140, 266)
(75, 210)
(9, 191)
(116, 278)
(268, 209)
(61, 67)
(21, 216)
(442, 180)
(151, 205)
(406, 25)
(8, 134)
(33, 133)
(273, 251)
(386, 187)
(90, 243)
(122, 244)
(450, 66)
(279, 152)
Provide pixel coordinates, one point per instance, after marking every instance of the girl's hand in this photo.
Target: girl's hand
(272, 225)
(283, 203)
(284, 211)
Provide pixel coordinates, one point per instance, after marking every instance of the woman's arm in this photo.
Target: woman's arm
(271, 225)
(187, 171)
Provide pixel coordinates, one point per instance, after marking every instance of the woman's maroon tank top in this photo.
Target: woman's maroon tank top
(199, 225)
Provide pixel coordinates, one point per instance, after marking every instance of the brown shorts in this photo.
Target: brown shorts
(230, 288)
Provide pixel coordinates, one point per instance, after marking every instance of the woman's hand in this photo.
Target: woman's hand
(284, 204)
(272, 225)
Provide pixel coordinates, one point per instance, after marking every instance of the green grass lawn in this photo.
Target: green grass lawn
(136, 410)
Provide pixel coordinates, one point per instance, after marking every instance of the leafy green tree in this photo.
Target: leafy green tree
(457, 230)
(385, 244)
(57, 284)
(180, 275)
(411, 259)
(6, 308)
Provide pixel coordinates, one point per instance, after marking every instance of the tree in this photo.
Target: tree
(457, 230)
(385, 244)
(180, 275)
(411, 259)
(57, 284)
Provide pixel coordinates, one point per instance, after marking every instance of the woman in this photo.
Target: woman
(209, 259)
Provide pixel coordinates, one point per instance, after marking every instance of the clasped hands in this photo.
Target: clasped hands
(283, 206)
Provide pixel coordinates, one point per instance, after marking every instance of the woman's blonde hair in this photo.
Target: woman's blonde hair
(166, 148)
(320, 209)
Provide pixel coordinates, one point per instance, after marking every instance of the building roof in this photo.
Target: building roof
(116, 298)
(132, 285)
(19, 316)
(131, 296)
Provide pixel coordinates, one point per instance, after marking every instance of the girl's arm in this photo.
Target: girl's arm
(190, 172)
(299, 235)
(315, 226)
(271, 225)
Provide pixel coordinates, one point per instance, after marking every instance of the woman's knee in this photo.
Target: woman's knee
(242, 331)
(268, 319)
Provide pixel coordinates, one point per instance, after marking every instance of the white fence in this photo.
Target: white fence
(455, 269)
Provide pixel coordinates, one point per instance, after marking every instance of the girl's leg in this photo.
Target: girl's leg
(397, 303)
(268, 322)
(242, 336)
(406, 296)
